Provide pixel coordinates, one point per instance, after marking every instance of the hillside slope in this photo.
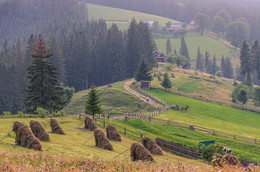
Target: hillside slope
(114, 100)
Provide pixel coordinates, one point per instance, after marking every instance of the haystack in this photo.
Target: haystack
(113, 133)
(139, 152)
(24, 137)
(150, 145)
(231, 159)
(55, 127)
(90, 124)
(101, 140)
(39, 131)
(218, 160)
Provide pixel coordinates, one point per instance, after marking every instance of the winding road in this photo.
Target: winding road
(140, 96)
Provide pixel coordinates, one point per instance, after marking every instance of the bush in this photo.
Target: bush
(59, 113)
(20, 114)
(6, 113)
(207, 152)
(41, 112)
(179, 33)
(257, 96)
(236, 91)
(69, 92)
(219, 74)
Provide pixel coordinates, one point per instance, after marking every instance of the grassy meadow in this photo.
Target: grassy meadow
(122, 17)
(70, 147)
(210, 115)
(195, 40)
(114, 100)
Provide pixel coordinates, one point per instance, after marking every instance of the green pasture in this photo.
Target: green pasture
(121, 15)
(195, 40)
(189, 138)
(210, 115)
(114, 100)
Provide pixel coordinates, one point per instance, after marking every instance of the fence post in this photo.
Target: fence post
(124, 131)
(234, 136)
(255, 141)
(95, 120)
(104, 122)
(213, 132)
(168, 122)
(141, 135)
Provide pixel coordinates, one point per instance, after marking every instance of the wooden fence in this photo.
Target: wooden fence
(174, 148)
(122, 130)
(205, 130)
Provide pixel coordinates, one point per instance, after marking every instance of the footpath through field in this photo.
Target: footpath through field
(140, 96)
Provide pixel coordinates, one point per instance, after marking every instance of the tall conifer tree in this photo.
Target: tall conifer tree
(199, 63)
(184, 49)
(246, 62)
(168, 47)
(214, 65)
(43, 89)
(143, 72)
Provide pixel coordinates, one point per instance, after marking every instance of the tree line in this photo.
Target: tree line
(89, 54)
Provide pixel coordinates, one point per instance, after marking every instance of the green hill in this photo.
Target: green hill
(122, 17)
(114, 100)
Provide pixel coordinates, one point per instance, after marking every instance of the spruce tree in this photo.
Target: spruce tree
(143, 72)
(43, 89)
(184, 49)
(166, 83)
(246, 62)
(255, 56)
(175, 52)
(223, 66)
(214, 65)
(229, 69)
(93, 105)
(206, 59)
(242, 96)
(168, 47)
(199, 63)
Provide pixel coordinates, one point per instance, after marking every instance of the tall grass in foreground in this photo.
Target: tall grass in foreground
(47, 162)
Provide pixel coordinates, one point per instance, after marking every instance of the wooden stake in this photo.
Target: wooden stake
(121, 153)
(88, 140)
(5, 136)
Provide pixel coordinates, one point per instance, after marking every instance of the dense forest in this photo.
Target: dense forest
(20, 18)
(186, 10)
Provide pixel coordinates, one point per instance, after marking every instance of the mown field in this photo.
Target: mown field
(120, 15)
(210, 115)
(195, 40)
(70, 147)
(114, 100)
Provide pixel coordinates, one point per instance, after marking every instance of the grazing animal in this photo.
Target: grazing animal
(184, 108)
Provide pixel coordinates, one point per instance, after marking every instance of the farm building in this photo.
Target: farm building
(159, 56)
(192, 25)
(176, 27)
(149, 23)
(146, 85)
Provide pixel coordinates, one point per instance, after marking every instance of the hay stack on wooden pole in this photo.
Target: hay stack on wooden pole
(231, 159)
(139, 152)
(39, 131)
(101, 140)
(150, 145)
(55, 127)
(89, 123)
(24, 137)
(113, 133)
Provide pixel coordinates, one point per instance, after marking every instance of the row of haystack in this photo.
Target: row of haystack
(138, 151)
(31, 139)
(224, 160)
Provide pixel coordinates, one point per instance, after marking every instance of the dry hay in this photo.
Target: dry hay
(218, 160)
(90, 124)
(139, 152)
(101, 140)
(55, 127)
(150, 145)
(221, 161)
(24, 137)
(39, 131)
(113, 133)
(231, 159)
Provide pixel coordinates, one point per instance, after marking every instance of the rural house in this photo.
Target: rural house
(159, 56)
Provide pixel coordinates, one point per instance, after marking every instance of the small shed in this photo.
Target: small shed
(146, 85)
